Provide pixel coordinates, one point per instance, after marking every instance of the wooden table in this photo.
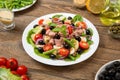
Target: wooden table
(11, 44)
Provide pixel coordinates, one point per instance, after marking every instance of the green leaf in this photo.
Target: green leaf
(90, 42)
(49, 52)
(77, 18)
(69, 42)
(56, 16)
(5, 74)
(57, 29)
(60, 29)
(53, 24)
(40, 54)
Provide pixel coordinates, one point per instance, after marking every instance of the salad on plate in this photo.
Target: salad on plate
(60, 38)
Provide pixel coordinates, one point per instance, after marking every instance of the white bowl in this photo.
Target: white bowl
(103, 68)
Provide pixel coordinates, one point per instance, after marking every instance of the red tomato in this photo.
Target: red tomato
(84, 45)
(21, 70)
(64, 52)
(70, 29)
(3, 61)
(25, 77)
(14, 72)
(82, 24)
(47, 47)
(3, 66)
(12, 63)
(55, 19)
(40, 21)
(38, 36)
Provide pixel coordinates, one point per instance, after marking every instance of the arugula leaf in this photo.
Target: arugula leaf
(56, 16)
(77, 18)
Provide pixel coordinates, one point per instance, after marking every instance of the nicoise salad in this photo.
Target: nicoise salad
(60, 38)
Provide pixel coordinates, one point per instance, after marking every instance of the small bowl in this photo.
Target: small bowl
(113, 34)
(103, 68)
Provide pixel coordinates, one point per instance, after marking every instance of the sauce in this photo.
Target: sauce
(6, 17)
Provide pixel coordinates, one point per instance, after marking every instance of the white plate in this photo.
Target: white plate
(103, 68)
(30, 51)
(23, 8)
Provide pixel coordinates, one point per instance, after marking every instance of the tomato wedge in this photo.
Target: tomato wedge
(70, 29)
(83, 45)
(47, 47)
(38, 36)
(82, 24)
(63, 52)
(40, 21)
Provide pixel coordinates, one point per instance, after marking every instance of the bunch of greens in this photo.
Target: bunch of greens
(14, 4)
(5, 74)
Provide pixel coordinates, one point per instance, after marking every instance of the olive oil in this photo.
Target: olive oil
(111, 14)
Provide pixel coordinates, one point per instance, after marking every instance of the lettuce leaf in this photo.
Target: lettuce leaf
(5, 74)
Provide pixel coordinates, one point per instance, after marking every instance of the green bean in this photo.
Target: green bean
(14, 4)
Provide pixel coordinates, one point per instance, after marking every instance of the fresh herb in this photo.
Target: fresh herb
(77, 18)
(56, 16)
(60, 29)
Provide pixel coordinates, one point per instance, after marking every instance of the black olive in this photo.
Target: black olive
(78, 38)
(111, 72)
(69, 18)
(43, 31)
(41, 42)
(107, 78)
(117, 76)
(101, 77)
(79, 51)
(109, 67)
(35, 26)
(88, 32)
(62, 21)
(52, 56)
(67, 46)
(72, 24)
(51, 27)
(40, 49)
(57, 36)
(116, 63)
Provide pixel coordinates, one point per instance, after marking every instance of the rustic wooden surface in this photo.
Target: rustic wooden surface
(11, 44)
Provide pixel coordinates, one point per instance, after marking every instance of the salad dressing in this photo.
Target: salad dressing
(6, 17)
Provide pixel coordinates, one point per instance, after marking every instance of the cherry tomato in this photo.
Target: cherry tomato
(14, 72)
(82, 24)
(47, 47)
(70, 29)
(40, 21)
(12, 63)
(25, 77)
(64, 52)
(21, 70)
(3, 66)
(83, 45)
(3, 61)
(38, 36)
